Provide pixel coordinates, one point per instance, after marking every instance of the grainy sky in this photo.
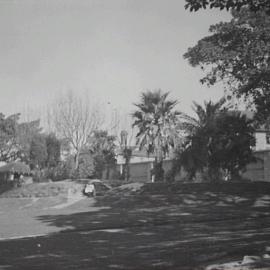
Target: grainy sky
(111, 49)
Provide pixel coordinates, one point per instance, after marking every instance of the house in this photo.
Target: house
(260, 170)
(262, 136)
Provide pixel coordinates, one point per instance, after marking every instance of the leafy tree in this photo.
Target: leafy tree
(8, 143)
(86, 165)
(25, 141)
(200, 132)
(218, 139)
(38, 152)
(65, 169)
(102, 149)
(25, 133)
(232, 143)
(252, 5)
(53, 146)
(206, 115)
(16, 138)
(157, 124)
(237, 53)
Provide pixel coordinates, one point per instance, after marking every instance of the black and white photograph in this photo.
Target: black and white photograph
(135, 134)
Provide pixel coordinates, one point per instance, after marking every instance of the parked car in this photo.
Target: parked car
(95, 187)
(89, 190)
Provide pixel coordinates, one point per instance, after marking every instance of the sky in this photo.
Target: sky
(111, 50)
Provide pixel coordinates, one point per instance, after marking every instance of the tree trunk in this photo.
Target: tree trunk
(77, 156)
(108, 167)
(126, 172)
(158, 166)
(158, 170)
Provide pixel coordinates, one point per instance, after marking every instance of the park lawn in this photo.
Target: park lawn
(159, 226)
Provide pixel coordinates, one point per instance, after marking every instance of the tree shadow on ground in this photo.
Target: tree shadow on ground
(173, 228)
(188, 204)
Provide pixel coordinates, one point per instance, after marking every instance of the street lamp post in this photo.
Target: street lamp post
(127, 153)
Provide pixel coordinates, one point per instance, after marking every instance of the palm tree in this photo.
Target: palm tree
(157, 124)
(205, 115)
(197, 146)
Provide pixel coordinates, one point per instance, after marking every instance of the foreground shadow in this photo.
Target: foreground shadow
(160, 227)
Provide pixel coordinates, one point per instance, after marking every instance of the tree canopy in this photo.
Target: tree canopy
(237, 53)
(15, 137)
(8, 142)
(232, 143)
(25, 133)
(38, 151)
(157, 121)
(252, 5)
(102, 149)
(218, 139)
(53, 146)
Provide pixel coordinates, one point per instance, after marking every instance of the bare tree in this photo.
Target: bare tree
(74, 119)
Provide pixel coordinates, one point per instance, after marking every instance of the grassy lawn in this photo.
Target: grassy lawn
(160, 226)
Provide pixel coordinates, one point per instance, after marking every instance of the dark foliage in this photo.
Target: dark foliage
(38, 152)
(102, 149)
(252, 5)
(53, 146)
(237, 53)
(8, 142)
(220, 141)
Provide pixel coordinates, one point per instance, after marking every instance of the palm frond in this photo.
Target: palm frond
(157, 122)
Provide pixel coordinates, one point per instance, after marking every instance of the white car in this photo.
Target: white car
(95, 187)
(89, 190)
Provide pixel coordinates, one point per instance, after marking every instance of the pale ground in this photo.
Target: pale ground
(18, 215)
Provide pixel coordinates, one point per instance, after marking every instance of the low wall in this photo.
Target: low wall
(259, 171)
(141, 172)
